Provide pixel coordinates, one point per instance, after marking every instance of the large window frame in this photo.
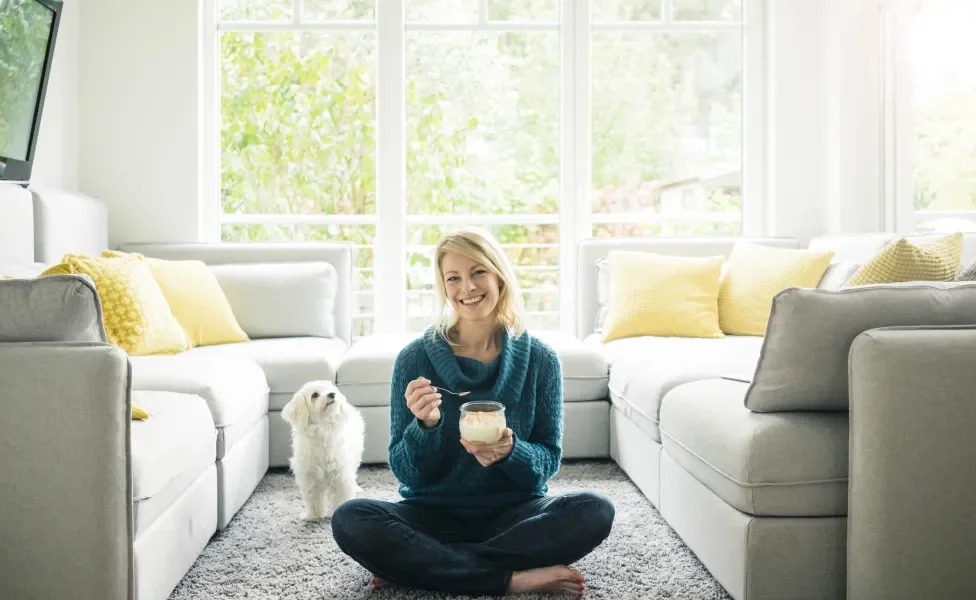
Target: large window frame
(574, 219)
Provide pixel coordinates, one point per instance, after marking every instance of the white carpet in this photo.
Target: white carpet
(268, 552)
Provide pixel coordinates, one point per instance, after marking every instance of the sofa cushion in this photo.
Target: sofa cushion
(196, 299)
(170, 451)
(234, 388)
(776, 465)
(288, 363)
(803, 364)
(937, 260)
(367, 368)
(837, 275)
(134, 309)
(657, 294)
(754, 274)
(645, 369)
(281, 299)
(59, 308)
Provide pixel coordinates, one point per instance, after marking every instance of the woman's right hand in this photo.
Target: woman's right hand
(423, 400)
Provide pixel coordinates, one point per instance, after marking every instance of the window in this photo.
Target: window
(666, 118)
(933, 84)
(387, 124)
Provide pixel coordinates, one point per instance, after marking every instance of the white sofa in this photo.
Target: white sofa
(214, 423)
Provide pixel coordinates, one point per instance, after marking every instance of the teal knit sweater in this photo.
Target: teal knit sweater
(431, 464)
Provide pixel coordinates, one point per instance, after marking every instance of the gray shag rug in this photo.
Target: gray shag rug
(268, 552)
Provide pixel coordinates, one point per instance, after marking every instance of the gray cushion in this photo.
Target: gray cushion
(56, 308)
(837, 275)
(967, 273)
(778, 465)
(803, 364)
(281, 299)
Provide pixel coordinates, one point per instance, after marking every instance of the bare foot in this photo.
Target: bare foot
(547, 579)
(376, 582)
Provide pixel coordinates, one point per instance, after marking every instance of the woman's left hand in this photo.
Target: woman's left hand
(489, 454)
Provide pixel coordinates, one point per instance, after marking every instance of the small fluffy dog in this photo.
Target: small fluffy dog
(327, 447)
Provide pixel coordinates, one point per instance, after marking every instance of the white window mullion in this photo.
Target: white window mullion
(390, 280)
(755, 200)
(297, 11)
(574, 209)
(483, 12)
(209, 200)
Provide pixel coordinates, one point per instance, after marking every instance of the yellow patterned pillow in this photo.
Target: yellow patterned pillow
(656, 294)
(901, 260)
(137, 317)
(756, 273)
(196, 299)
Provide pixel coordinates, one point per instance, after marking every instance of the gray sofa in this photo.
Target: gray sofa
(747, 447)
(145, 496)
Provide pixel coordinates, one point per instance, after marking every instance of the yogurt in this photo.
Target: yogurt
(482, 422)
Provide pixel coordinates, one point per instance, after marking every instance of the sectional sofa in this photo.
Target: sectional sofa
(121, 508)
(753, 448)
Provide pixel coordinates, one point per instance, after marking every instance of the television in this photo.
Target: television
(28, 29)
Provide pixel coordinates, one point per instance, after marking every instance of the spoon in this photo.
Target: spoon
(459, 394)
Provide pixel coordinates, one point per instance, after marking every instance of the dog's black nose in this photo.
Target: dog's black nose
(331, 396)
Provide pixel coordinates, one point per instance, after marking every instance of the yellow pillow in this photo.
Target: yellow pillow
(137, 318)
(196, 299)
(139, 413)
(655, 294)
(938, 260)
(756, 273)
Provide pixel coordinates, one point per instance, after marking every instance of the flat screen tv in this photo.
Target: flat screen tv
(28, 29)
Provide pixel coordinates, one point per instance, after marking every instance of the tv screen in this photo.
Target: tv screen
(28, 29)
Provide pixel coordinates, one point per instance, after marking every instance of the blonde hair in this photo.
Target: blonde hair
(481, 247)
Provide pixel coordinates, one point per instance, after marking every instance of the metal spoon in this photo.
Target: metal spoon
(459, 394)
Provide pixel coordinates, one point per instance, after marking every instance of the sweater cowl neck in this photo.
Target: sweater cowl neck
(509, 370)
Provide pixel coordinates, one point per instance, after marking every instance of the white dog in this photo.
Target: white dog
(327, 447)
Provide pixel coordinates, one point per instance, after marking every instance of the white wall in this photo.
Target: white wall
(139, 128)
(56, 164)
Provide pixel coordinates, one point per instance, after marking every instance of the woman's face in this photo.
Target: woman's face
(471, 288)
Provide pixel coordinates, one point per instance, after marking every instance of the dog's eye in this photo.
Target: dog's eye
(315, 395)
(331, 396)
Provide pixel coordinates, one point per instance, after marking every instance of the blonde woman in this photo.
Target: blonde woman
(475, 519)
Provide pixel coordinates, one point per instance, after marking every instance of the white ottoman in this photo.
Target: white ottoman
(367, 368)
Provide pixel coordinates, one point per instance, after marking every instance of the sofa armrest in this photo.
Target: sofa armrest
(65, 504)
(339, 255)
(911, 520)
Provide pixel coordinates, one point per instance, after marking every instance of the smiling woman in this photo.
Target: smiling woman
(476, 516)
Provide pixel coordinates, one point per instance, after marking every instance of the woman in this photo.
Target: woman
(475, 519)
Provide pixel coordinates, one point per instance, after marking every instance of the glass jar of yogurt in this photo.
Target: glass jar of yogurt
(482, 422)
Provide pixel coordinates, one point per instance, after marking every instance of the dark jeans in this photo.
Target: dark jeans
(463, 551)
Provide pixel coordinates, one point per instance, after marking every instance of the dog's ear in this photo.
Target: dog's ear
(296, 412)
